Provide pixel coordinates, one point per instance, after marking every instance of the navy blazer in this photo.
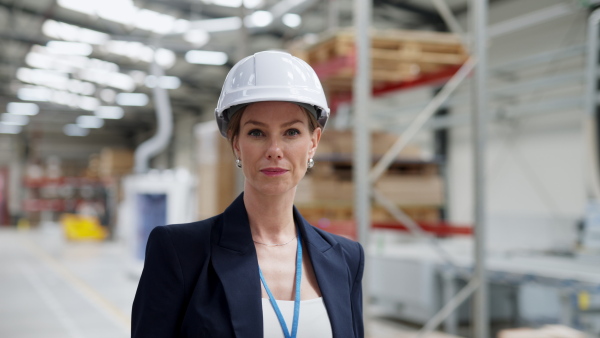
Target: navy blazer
(201, 279)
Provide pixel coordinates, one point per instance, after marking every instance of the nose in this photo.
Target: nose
(274, 149)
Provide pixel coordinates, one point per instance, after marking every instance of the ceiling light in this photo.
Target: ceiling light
(87, 7)
(65, 31)
(292, 20)
(125, 12)
(22, 108)
(132, 99)
(9, 129)
(206, 57)
(89, 122)
(235, 3)
(197, 37)
(109, 112)
(14, 120)
(75, 130)
(108, 95)
(218, 25)
(69, 48)
(88, 103)
(259, 19)
(154, 21)
(166, 82)
(34, 94)
(44, 77)
(165, 58)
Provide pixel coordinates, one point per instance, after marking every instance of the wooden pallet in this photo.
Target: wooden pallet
(397, 56)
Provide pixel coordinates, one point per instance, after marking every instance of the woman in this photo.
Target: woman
(258, 269)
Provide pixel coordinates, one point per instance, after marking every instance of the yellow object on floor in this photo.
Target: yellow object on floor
(79, 227)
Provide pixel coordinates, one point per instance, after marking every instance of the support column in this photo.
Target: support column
(362, 132)
(479, 89)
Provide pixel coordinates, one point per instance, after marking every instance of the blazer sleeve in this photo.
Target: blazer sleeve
(159, 299)
(356, 295)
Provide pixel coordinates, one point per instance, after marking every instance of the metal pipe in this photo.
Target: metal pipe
(164, 125)
(449, 19)
(413, 226)
(333, 14)
(421, 119)
(449, 291)
(362, 135)
(520, 22)
(447, 310)
(590, 105)
(479, 13)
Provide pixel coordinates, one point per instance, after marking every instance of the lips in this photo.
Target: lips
(273, 171)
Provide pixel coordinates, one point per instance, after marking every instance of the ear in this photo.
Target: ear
(236, 147)
(315, 138)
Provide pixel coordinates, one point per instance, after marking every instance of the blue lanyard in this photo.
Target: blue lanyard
(297, 298)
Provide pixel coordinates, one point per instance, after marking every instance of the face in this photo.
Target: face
(274, 144)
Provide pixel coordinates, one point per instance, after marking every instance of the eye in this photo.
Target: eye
(292, 132)
(255, 133)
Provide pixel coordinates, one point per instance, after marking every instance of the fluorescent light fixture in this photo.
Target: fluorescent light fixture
(63, 31)
(206, 57)
(22, 108)
(132, 99)
(34, 94)
(120, 81)
(180, 26)
(14, 120)
(259, 19)
(165, 57)
(218, 25)
(109, 112)
(108, 78)
(86, 7)
(69, 48)
(75, 130)
(125, 12)
(235, 3)
(197, 37)
(108, 95)
(292, 20)
(89, 122)
(167, 82)
(9, 129)
(137, 51)
(48, 78)
(154, 21)
(88, 103)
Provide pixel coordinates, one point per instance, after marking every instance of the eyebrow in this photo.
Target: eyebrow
(264, 124)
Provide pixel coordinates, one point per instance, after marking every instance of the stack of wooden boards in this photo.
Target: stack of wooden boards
(397, 56)
(325, 197)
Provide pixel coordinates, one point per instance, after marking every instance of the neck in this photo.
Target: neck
(271, 217)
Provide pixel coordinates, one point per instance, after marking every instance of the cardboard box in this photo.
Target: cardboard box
(115, 162)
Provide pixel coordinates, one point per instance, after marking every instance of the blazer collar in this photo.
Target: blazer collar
(235, 262)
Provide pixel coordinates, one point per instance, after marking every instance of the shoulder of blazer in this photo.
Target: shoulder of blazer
(353, 252)
(192, 243)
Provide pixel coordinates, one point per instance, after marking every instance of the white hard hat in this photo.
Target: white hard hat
(271, 76)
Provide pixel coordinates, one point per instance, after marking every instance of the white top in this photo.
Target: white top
(313, 319)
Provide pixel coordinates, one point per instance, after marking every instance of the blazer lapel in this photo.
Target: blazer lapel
(332, 276)
(235, 262)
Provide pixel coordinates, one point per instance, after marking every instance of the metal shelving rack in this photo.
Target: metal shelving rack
(364, 177)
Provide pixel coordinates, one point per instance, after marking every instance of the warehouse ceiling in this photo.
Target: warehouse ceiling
(71, 57)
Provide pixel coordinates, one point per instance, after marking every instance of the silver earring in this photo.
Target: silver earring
(311, 163)
(238, 163)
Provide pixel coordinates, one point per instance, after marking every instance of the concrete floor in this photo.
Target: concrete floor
(53, 288)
